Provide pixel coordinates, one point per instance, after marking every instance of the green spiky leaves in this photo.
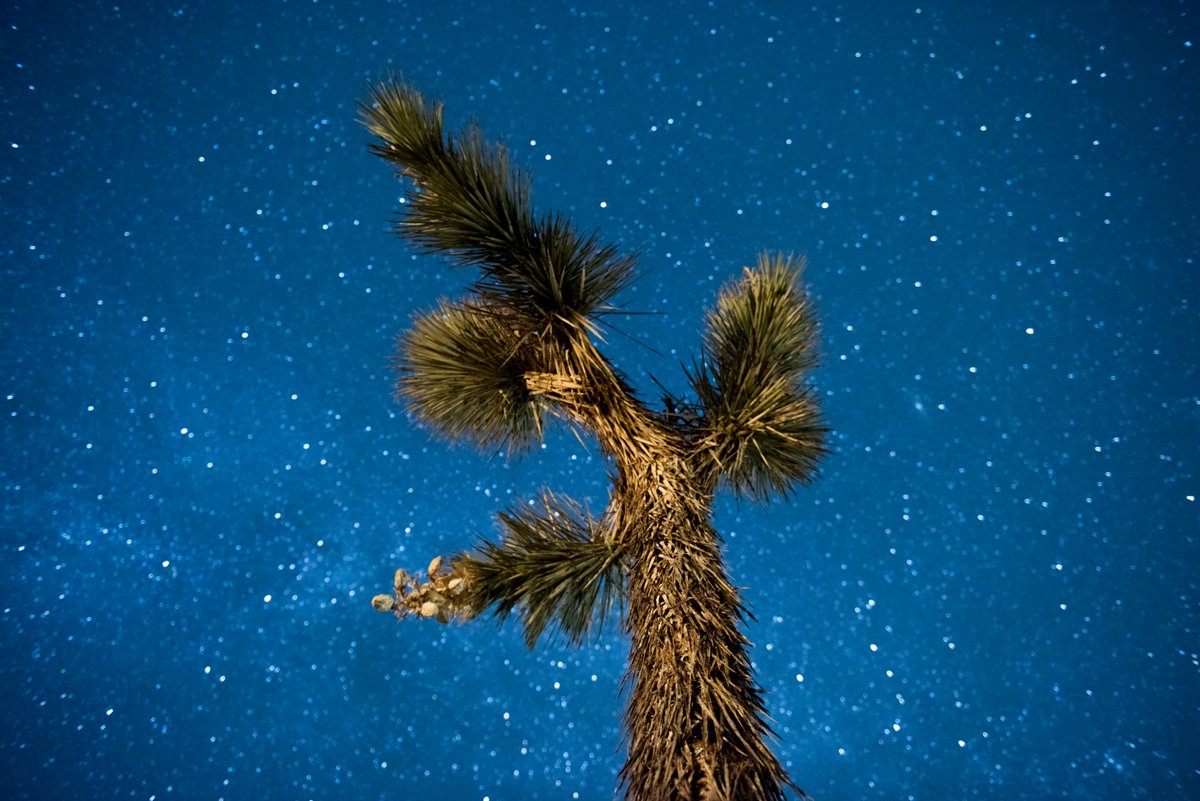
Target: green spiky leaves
(462, 371)
(555, 566)
(472, 205)
(761, 426)
(411, 130)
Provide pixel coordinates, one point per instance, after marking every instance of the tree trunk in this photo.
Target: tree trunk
(694, 714)
(695, 717)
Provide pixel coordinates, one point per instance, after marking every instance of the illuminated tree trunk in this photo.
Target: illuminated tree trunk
(694, 716)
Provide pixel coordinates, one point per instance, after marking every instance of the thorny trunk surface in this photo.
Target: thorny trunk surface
(694, 715)
(694, 712)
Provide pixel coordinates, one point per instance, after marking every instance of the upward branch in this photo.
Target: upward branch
(471, 204)
(761, 430)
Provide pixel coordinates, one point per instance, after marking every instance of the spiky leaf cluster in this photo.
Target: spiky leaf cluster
(461, 369)
(761, 425)
(554, 567)
(471, 204)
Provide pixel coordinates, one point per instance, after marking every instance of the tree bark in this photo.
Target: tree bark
(694, 716)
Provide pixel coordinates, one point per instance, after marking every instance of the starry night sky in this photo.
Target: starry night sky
(990, 592)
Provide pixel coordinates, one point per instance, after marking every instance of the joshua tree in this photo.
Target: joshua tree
(521, 346)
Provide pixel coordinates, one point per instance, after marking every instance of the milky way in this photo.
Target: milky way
(990, 592)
